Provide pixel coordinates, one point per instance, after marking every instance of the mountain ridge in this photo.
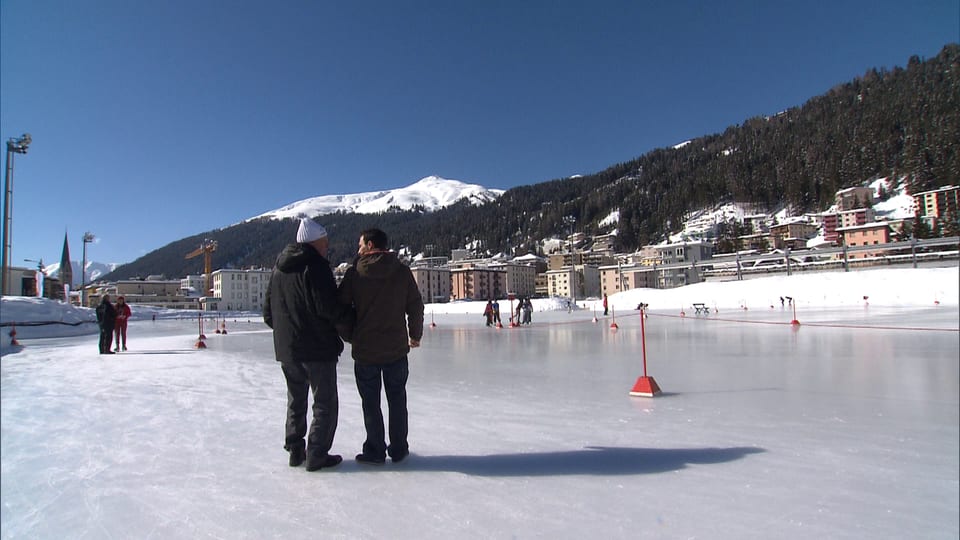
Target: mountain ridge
(901, 124)
(428, 194)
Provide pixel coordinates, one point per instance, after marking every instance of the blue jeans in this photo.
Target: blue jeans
(394, 379)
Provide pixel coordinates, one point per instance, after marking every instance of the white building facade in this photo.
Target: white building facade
(240, 290)
(521, 278)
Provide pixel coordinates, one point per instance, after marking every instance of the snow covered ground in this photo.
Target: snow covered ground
(846, 426)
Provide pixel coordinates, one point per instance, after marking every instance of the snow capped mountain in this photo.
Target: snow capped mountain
(94, 271)
(431, 192)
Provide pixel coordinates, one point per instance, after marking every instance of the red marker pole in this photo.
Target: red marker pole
(200, 344)
(643, 342)
(645, 386)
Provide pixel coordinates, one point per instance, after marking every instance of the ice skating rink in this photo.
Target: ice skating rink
(843, 427)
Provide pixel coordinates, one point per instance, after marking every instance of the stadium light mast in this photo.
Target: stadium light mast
(87, 238)
(14, 146)
(40, 275)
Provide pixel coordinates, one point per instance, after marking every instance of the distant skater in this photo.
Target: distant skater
(106, 318)
(120, 329)
(605, 307)
(488, 312)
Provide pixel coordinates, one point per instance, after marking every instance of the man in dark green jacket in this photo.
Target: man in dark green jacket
(301, 307)
(389, 321)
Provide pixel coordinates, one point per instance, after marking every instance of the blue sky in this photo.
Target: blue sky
(153, 121)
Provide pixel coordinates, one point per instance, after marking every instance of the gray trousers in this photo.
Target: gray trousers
(321, 379)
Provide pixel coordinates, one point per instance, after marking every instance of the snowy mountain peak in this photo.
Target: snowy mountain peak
(431, 193)
(94, 271)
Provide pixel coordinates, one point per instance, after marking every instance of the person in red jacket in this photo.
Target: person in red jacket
(120, 328)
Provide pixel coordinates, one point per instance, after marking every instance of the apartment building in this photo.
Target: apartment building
(521, 278)
(604, 243)
(870, 234)
(193, 285)
(434, 283)
(830, 222)
(477, 283)
(647, 256)
(153, 291)
(239, 289)
(542, 285)
(785, 235)
(855, 217)
(614, 279)
(852, 198)
(937, 204)
(575, 282)
(687, 254)
(559, 261)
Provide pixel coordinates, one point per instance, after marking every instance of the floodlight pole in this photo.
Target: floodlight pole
(14, 146)
(39, 271)
(87, 238)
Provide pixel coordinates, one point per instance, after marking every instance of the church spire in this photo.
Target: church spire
(66, 267)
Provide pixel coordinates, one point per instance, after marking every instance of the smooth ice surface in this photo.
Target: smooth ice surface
(843, 427)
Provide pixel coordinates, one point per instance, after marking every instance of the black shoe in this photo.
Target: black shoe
(315, 463)
(397, 457)
(108, 352)
(297, 456)
(370, 460)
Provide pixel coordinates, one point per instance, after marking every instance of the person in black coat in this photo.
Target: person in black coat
(301, 307)
(106, 320)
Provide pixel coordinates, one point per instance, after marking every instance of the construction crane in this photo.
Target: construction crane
(206, 248)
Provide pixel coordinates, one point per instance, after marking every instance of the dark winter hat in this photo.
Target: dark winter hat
(310, 231)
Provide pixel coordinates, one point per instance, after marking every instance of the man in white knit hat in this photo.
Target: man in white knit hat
(301, 307)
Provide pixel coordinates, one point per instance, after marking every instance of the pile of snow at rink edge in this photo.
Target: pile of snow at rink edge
(907, 287)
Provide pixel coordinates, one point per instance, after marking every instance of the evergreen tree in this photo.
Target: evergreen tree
(921, 229)
(951, 224)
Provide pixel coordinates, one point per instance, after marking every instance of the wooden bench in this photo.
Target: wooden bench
(701, 308)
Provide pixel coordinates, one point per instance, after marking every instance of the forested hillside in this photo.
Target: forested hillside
(899, 123)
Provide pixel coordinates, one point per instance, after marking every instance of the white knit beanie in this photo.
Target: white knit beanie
(309, 231)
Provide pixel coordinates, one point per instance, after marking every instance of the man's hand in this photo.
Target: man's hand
(414, 343)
